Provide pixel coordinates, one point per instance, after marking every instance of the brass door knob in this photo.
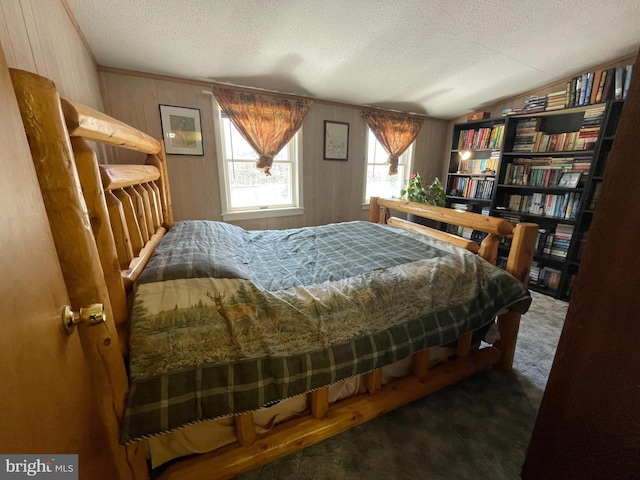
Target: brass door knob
(91, 315)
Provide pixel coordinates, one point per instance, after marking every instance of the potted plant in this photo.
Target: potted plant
(416, 190)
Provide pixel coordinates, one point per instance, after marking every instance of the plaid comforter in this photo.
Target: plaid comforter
(226, 320)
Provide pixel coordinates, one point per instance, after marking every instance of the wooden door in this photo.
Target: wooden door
(49, 400)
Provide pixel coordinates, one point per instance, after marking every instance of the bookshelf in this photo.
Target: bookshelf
(551, 171)
(473, 163)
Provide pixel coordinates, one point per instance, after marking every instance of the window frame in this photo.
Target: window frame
(249, 213)
(407, 159)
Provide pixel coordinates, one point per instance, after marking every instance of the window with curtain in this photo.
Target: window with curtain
(246, 192)
(378, 182)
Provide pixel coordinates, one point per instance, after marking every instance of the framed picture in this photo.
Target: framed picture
(336, 140)
(570, 180)
(181, 130)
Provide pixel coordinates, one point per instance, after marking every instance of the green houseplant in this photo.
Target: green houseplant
(416, 190)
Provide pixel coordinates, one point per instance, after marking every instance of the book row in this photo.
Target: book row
(477, 166)
(544, 276)
(530, 137)
(598, 86)
(549, 205)
(466, 187)
(481, 138)
(543, 172)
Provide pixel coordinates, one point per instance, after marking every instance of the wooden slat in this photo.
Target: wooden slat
(437, 234)
(160, 162)
(320, 402)
(231, 460)
(157, 201)
(135, 237)
(89, 175)
(245, 429)
(120, 176)
(146, 203)
(120, 230)
(373, 381)
(85, 122)
(420, 363)
(140, 213)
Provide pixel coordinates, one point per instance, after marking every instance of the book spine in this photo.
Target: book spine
(618, 83)
(594, 87)
(627, 80)
(603, 79)
(572, 92)
(607, 91)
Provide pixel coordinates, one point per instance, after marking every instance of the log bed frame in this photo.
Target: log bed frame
(106, 221)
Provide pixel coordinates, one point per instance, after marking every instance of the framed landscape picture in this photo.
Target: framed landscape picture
(336, 140)
(181, 130)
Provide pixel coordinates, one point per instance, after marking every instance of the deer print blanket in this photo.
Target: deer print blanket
(226, 320)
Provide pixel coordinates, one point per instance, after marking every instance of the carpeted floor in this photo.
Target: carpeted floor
(476, 429)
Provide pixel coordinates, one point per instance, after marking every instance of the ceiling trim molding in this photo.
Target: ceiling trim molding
(76, 25)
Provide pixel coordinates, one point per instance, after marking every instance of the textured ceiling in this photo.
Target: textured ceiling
(439, 57)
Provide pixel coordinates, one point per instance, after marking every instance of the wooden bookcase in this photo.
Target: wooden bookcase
(473, 164)
(532, 184)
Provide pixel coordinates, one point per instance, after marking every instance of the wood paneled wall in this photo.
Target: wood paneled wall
(332, 190)
(39, 36)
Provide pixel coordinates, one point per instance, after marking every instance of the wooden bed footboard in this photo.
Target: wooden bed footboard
(518, 262)
(107, 220)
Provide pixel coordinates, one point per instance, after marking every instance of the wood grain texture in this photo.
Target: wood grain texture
(119, 176)
(83, 121)
(437, 234)
(495, 225)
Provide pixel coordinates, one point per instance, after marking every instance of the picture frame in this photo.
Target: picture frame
(336, 140)
(570, 179)
(181, 130)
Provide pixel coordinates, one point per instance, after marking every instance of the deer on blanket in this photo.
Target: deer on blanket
(233, 313)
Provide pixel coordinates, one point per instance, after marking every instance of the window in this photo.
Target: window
(246, 191)
(378, 182)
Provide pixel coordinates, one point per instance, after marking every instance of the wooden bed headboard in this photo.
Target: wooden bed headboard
(128, 207)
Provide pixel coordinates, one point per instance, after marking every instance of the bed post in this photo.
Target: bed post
(518, 265)
(374, 210)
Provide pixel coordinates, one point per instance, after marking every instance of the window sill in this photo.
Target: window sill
(266, 213)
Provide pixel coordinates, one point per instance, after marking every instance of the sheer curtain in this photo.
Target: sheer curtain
(395, 132)
(268, 123)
